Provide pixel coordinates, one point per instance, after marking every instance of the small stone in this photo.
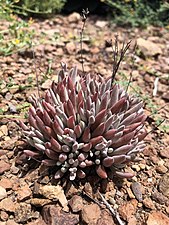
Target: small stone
(8, 96)
(6, 183)
(39, 202)
(165, 152)
(49, 48)
(23, 212)
(105, 218)
(24, 193)
(101, 23)
(164, 185)
(55, 193)
(147, 202)
(76, 203)
(4, 166)
(46, 84)
(136, 188)
(2, 152)
(157, 218)
(8, 205)
(130, 193)
(136, 167)
(74, 17)
(91, 213)
(71, 48)
(11, 222)
(165, 96)
(132, 221)
(26, 70)
(14, 170)
(53, 214)
(4, 216)
(142, 166)
(12, 108)
(3, 193)
(3, 130)
(128, 209)
(159, 197)
(161, 169)
(148, 48)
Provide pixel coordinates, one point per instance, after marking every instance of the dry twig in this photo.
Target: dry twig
(84, 18)
(114, 213)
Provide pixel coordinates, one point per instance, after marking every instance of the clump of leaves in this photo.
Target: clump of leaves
(18, 34)
(137, 13)
(85, 121)
(43, 8)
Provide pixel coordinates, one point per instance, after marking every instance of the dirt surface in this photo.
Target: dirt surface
(28, 195)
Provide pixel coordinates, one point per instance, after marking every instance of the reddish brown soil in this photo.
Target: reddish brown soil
(141, 200)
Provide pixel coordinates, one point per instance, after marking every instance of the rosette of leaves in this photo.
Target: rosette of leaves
(85, 122)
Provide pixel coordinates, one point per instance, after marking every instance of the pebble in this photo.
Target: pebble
(106, 218)
(128, 209)
(71, 48)
(2, 152)
(8, 205)
(46, 84)
(132, 220)
(159, 197)
(3, 193)
(4, 166)
(148, 48)
(136, 167)
(55, 193)
(39, 202)
(136, 188)
(4, 216)
(91, 213)
(142, 166)
(161, 169)
(157, 218)
(130, 193)
(23, 212)
(23, 193)
(74, 17)
(53, 214)
(76, 203)
(3, 130)
(14, 170)
(165, 152)
(164, 184)
(148, 203)
(101, 23)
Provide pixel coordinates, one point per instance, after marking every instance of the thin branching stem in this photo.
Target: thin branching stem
(118, 55)
(132, 67)
(36, 73)
(84, 18)
(114, 213)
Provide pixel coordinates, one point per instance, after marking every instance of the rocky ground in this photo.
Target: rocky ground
(28, 195)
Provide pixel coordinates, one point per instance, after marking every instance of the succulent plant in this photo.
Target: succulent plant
(85, 122)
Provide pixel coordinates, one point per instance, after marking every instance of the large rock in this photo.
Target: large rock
(157, 218)
(54, 215)
(148, 48)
